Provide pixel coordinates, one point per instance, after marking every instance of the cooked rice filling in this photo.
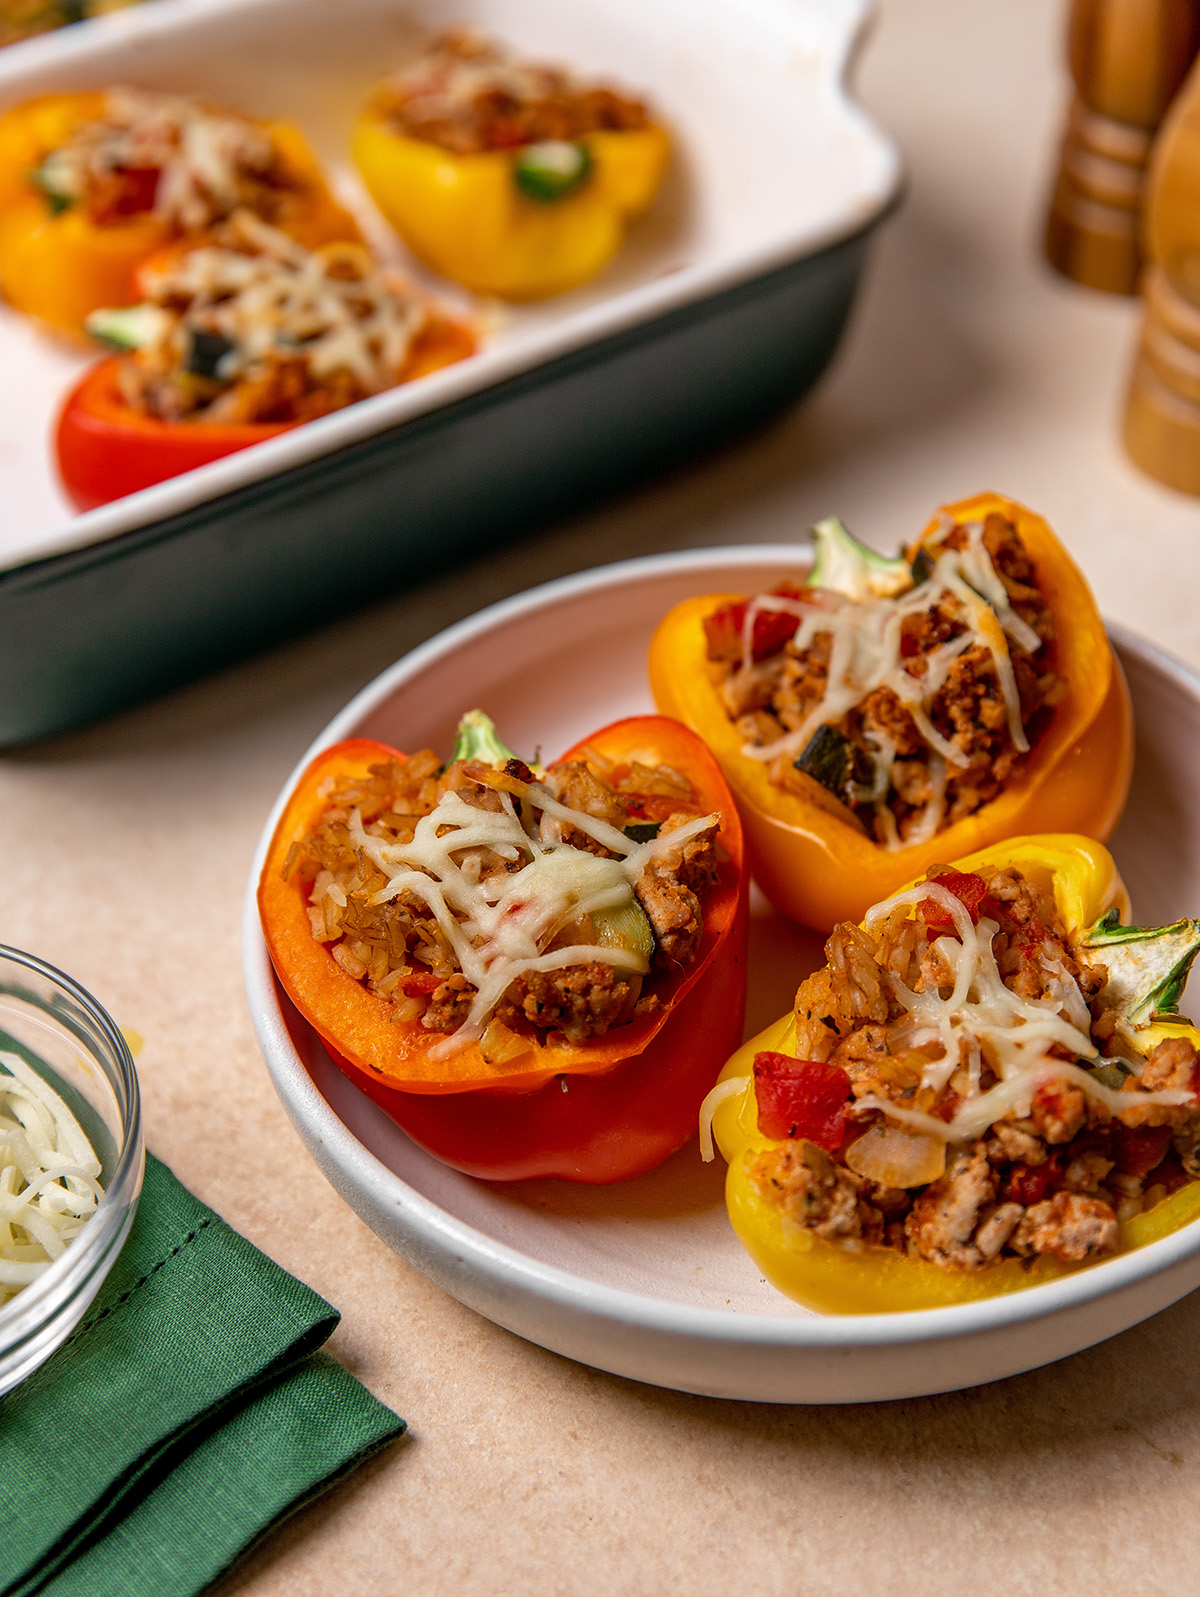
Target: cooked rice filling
(253, 327)
(933, 697)
(496, 907)
(468, 94)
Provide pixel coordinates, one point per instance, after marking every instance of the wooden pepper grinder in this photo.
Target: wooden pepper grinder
(1128, 58)
(1162, 418)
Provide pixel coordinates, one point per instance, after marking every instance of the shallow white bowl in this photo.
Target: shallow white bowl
(647, 1279)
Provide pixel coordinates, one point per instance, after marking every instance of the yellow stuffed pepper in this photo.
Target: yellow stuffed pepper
(92, 183)
(987, 1086)
(894, 712)
(507, 176)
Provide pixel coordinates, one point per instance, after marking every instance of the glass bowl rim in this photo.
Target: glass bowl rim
(93, 1250)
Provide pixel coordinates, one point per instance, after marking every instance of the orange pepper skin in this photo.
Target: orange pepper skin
(60, 268)
(107, 449)
(818, 868)
(594, 1112)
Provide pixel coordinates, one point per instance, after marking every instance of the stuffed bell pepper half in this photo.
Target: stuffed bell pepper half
(535, 972)
(986, 1086)
(888, 713)
(236, 339)
(93, 182)
(511, 177)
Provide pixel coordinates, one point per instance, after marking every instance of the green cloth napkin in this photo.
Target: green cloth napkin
(187, 1414)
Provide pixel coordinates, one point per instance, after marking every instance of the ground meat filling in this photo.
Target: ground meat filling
(891, 779)
(467, 95)
(251, 327)
(1054, 1175)
(397, 947)
(185, 162)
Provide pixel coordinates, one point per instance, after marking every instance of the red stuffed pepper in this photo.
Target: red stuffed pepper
(536, 973)
(237, 339)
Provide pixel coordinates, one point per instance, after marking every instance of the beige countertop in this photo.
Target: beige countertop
(126, 849)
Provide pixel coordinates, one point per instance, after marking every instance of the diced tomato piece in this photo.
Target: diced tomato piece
(724, 628)
(134, 190)
(421, 983)
(801, 1098)
(1137, 1149)
(1029, 1183)
(970, 890)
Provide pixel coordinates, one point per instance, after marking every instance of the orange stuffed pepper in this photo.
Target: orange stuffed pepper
(237, 339)
(91, 183)
(536, 973)
(890, 713)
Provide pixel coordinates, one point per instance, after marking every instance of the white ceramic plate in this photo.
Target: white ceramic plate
(646, 1279)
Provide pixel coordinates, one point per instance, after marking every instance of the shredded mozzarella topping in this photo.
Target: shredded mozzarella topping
(865, 654)
(329, 306)
(981, 1019)
(502, 925)
(49, 1186)
(201, 155)
(734, 1087)
(446, 82)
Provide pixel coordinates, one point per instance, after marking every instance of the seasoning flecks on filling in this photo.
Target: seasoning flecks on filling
(497, 906)
(973, 1090)
(170, 156)
(468, 94)
(254, 328)
(913, 706)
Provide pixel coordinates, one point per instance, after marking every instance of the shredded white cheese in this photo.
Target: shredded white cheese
(865, 654)
(503, 925)
(201, 155)
(980, 1019)
(49, 1186)
(330, 306)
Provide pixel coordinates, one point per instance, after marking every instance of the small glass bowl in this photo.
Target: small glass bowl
(64, 1034)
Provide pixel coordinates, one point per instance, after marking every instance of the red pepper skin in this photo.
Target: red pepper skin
(600, 1129)
(107, 449)
(970, 890)
(801, 1098)
(632, 1097)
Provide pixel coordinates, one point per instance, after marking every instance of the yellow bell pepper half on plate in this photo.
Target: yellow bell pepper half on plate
(864, 1278)
(518, 224)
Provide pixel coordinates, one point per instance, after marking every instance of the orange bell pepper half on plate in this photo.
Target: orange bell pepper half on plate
(814, 864)
(601, 1110)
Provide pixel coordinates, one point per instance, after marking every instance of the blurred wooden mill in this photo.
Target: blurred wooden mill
(1128, 59)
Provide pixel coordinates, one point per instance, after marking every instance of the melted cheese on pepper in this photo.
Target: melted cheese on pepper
(981, 1020)
(500, 926)
(264, 293)
(865, 655)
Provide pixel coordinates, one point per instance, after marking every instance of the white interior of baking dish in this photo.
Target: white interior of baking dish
(773, 161)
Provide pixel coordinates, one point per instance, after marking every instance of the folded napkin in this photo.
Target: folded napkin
(187, 1414)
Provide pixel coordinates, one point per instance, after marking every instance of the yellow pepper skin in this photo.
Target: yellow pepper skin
(817, 867)
(465, 216)
(877, 1280)
(61, 267)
